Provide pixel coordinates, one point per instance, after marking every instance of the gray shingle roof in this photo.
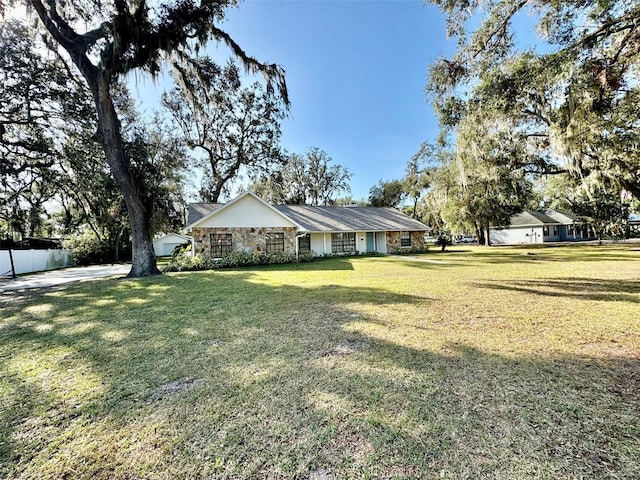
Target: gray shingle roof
(530, 218)
(200, 210)
(563, 217)
(349, 219)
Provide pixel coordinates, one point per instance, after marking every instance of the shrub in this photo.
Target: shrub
(305, 257)
(186, 263)
(181, 249)
(87, 248)
(182, 263)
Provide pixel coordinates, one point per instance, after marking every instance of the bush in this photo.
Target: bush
(186, 263)
(87, 249)
(181, 249)
(183, 263)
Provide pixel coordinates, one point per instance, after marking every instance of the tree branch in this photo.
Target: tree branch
(501, 28)
(62, 33)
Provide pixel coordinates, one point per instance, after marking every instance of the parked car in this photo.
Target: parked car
(468, 239)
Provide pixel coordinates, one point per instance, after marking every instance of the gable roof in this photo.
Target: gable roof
(224, 207)
(350, 219)
(201, 209)
(530, 218)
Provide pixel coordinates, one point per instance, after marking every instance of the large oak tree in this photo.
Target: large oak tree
(571, 100)
(231, 128)
(32, 99)
(105, 42)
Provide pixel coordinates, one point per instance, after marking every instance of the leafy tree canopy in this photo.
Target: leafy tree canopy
(49, 124)
(308, 179)
(232, 128)
(387, 194)
(572, 103)
(102, 42)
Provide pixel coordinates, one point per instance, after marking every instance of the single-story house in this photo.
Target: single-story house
(634, 225)
(540, 227)
(249, 224)
(164, 245)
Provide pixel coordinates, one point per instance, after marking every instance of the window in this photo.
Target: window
(274, 243)
(343, 242)
(571, 230)
(405, 239)
(555, 230)
(304, 243)
(545, 231)
(220, 244)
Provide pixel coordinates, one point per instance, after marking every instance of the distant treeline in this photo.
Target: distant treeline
(30, 244)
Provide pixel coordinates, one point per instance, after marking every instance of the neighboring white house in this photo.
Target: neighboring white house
(164, 245)
(250, 224)
(539, 227)
(633, 224)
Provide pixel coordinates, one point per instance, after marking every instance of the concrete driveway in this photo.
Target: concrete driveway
(56, 278)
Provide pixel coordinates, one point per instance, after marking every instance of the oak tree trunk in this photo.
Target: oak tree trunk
(479, 233)
(143, 258)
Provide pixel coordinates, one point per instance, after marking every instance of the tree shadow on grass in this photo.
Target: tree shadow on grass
(289, 382)
(318, 264)
(596, 289)
(488, 256)
(570, 253)
(532, 254)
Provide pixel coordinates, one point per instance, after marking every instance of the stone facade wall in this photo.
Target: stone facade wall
(393, 242)
(249, 240)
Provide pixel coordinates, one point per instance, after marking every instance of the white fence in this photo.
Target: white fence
(26, 261)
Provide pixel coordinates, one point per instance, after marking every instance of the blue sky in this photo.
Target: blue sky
(356, 72)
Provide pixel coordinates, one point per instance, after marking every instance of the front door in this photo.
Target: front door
(370, 242)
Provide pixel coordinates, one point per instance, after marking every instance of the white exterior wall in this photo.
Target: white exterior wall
(163, 246)
(381, 242)
(26, 261)
(164, 249)
(510, 236)
(361, 242)
(321, 242)
(247, 212)
(318, 243)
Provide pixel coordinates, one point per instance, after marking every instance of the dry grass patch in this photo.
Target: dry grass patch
(478, 363)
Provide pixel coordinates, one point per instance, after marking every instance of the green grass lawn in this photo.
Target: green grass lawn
(498, 363)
